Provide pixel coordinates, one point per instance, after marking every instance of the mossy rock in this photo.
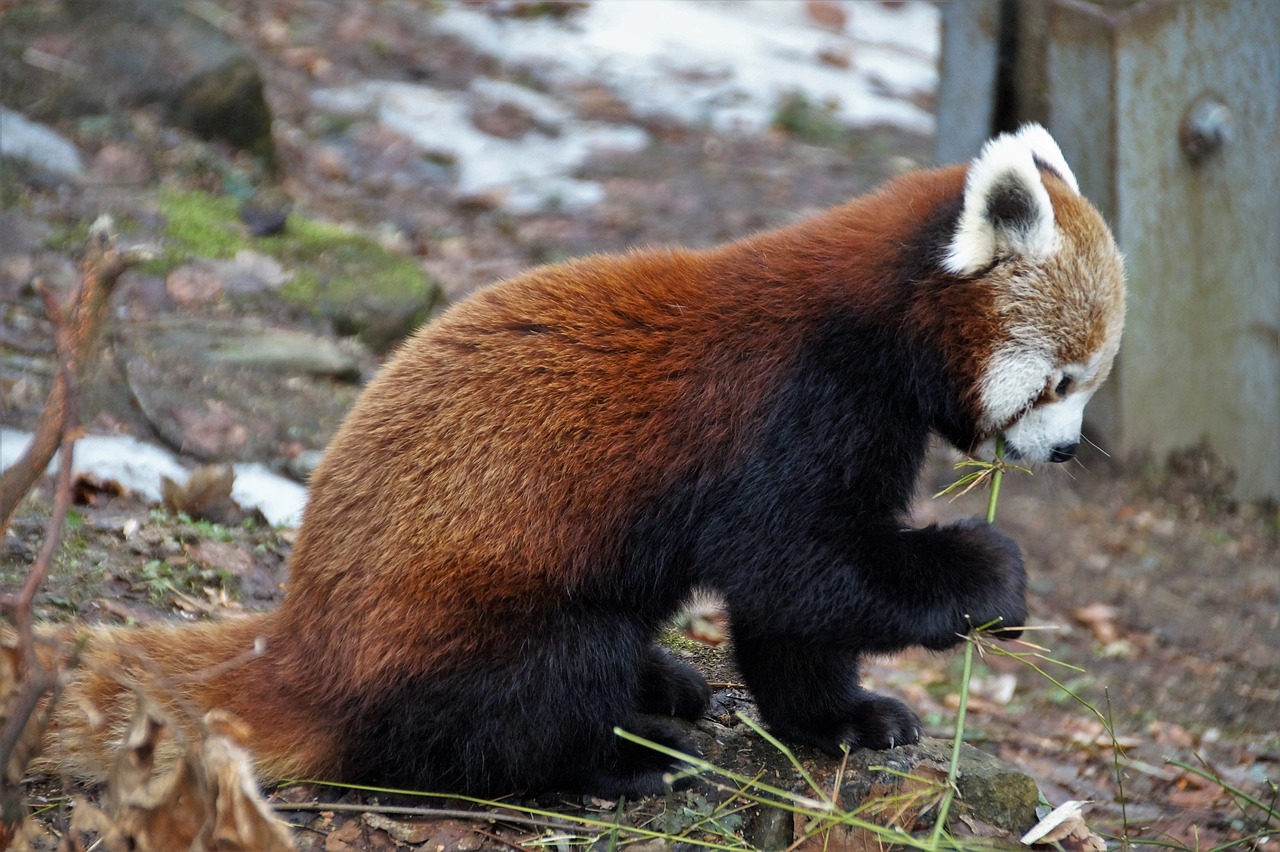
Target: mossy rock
(136, 53)
(899, 787)
(348, 279)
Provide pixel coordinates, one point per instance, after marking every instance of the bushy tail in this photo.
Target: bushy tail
(183, 671)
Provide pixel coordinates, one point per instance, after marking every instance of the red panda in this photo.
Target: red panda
(541, 476)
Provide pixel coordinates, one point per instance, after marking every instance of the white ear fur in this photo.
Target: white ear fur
(1006, 207)
(1047, 154)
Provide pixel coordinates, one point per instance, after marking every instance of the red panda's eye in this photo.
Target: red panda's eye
(1063, 386)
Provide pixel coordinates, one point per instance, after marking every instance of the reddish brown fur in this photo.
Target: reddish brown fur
(461, 485)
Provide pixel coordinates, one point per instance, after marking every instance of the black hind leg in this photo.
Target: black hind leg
(666, 686)
(671, 687)
(638, 770)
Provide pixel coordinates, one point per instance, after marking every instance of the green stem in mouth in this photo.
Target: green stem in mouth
(997, 476)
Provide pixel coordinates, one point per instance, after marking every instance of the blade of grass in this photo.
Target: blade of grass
(1209, 775)
(706, 766)
(515, 814)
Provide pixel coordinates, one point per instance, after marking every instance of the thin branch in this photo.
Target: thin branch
(36, 680)
(21, 606)
(437, 813)
(75, 330)
(80, 320)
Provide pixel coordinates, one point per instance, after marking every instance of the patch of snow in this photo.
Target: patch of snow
(138, 467)
(525, 174)
(25, 139)
(279, 499)
(726, 64)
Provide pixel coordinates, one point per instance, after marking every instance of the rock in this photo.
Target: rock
(212, 388)
(27, 140)
(205, 281)
(773, 830)
(995, 798)
(990, 790)
(266, 214)
(285, 351)
(530, 163)
(193, 284)
(333, 273)
(225, 102)
(116, 163)
(120, 54)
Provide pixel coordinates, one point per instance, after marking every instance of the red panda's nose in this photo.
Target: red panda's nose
(1063, 452)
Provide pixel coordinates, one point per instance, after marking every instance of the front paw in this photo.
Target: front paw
(998, 600)
(875, 721)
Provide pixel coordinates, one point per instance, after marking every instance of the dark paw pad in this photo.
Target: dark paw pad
(671, 687)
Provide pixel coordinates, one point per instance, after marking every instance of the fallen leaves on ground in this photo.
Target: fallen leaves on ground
(209, 800)
(1064, 828)
(206, 494)
(14, 824)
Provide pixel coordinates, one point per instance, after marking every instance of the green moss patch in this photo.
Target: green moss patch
(343, 277)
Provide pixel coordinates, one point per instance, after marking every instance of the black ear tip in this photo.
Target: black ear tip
(1009, 205)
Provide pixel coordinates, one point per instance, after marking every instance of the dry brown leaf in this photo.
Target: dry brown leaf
(235, 559)
(841, 838)
(1065, 826)
(345, 838)
(29, 741)
(1172, 735)
(1100, 619)
(208, 801)
(206, 493)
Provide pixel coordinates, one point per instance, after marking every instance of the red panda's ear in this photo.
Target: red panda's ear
(1007, 212)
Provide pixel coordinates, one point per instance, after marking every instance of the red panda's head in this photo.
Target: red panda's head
(1057, 281)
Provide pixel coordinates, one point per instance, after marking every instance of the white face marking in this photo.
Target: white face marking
(1055, 424)
(1013, 380)
(1046, 427)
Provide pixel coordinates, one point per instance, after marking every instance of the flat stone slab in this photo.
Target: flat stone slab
(213, 389)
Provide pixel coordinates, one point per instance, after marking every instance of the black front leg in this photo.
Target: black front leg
(950, 579)
(880, 590)
(802, 617)
(670, 686)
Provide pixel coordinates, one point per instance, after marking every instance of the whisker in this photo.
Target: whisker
(1085, 438)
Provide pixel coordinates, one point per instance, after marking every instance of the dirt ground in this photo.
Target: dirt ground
(1160, 593)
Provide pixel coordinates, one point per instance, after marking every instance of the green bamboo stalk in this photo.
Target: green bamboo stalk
(953, 771)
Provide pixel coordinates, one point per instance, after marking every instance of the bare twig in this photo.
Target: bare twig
(437, 813)
(75, 329)
(80, 320)
(20, 607)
